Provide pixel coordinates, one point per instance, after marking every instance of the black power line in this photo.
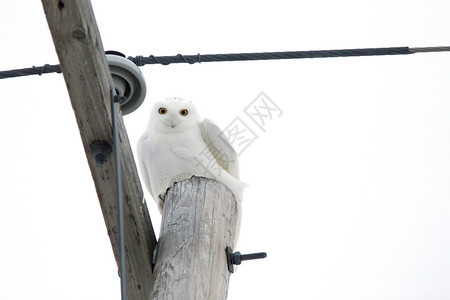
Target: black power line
(31, 71)
(191, 59)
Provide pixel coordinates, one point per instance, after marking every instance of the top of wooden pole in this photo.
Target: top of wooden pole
(199, 223)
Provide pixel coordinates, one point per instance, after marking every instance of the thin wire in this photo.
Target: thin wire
(191, 59)
(122, 266)
(429, 49)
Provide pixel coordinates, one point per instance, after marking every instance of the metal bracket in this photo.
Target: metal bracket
(236, 258)
(118, 99)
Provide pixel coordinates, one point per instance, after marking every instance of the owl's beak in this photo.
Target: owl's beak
(173, 121)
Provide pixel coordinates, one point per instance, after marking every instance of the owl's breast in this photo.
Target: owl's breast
(174, 158)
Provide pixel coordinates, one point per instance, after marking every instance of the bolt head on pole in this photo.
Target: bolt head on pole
(100, 152)
(128, 80)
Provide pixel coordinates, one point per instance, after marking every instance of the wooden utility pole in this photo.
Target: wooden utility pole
(199, 222)
(88, 79)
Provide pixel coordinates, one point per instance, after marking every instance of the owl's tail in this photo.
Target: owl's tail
(237, 187)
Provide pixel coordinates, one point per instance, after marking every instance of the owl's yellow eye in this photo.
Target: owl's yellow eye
(162, 111)
(184, 112)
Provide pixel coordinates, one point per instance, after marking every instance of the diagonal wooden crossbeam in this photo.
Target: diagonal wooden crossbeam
(88, 79)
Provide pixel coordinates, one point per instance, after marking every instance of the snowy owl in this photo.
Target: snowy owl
(178, 144)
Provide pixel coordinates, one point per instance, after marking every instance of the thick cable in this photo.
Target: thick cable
(166, 60)
(31, 71)
(198, 58)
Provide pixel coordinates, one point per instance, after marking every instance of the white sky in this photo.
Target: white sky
(349, 188)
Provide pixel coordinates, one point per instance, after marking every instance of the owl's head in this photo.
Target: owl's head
(174, 115)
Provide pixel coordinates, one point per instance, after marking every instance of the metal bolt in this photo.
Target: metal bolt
(100, 151)
(236, 258)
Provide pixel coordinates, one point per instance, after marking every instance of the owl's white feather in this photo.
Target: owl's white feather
(177, 145)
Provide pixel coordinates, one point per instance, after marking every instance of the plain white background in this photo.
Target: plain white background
(349, 192)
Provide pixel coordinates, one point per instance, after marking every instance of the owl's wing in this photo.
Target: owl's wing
(220, 147)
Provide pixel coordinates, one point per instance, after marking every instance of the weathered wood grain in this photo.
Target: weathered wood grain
(199, 219)
(81, 55)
